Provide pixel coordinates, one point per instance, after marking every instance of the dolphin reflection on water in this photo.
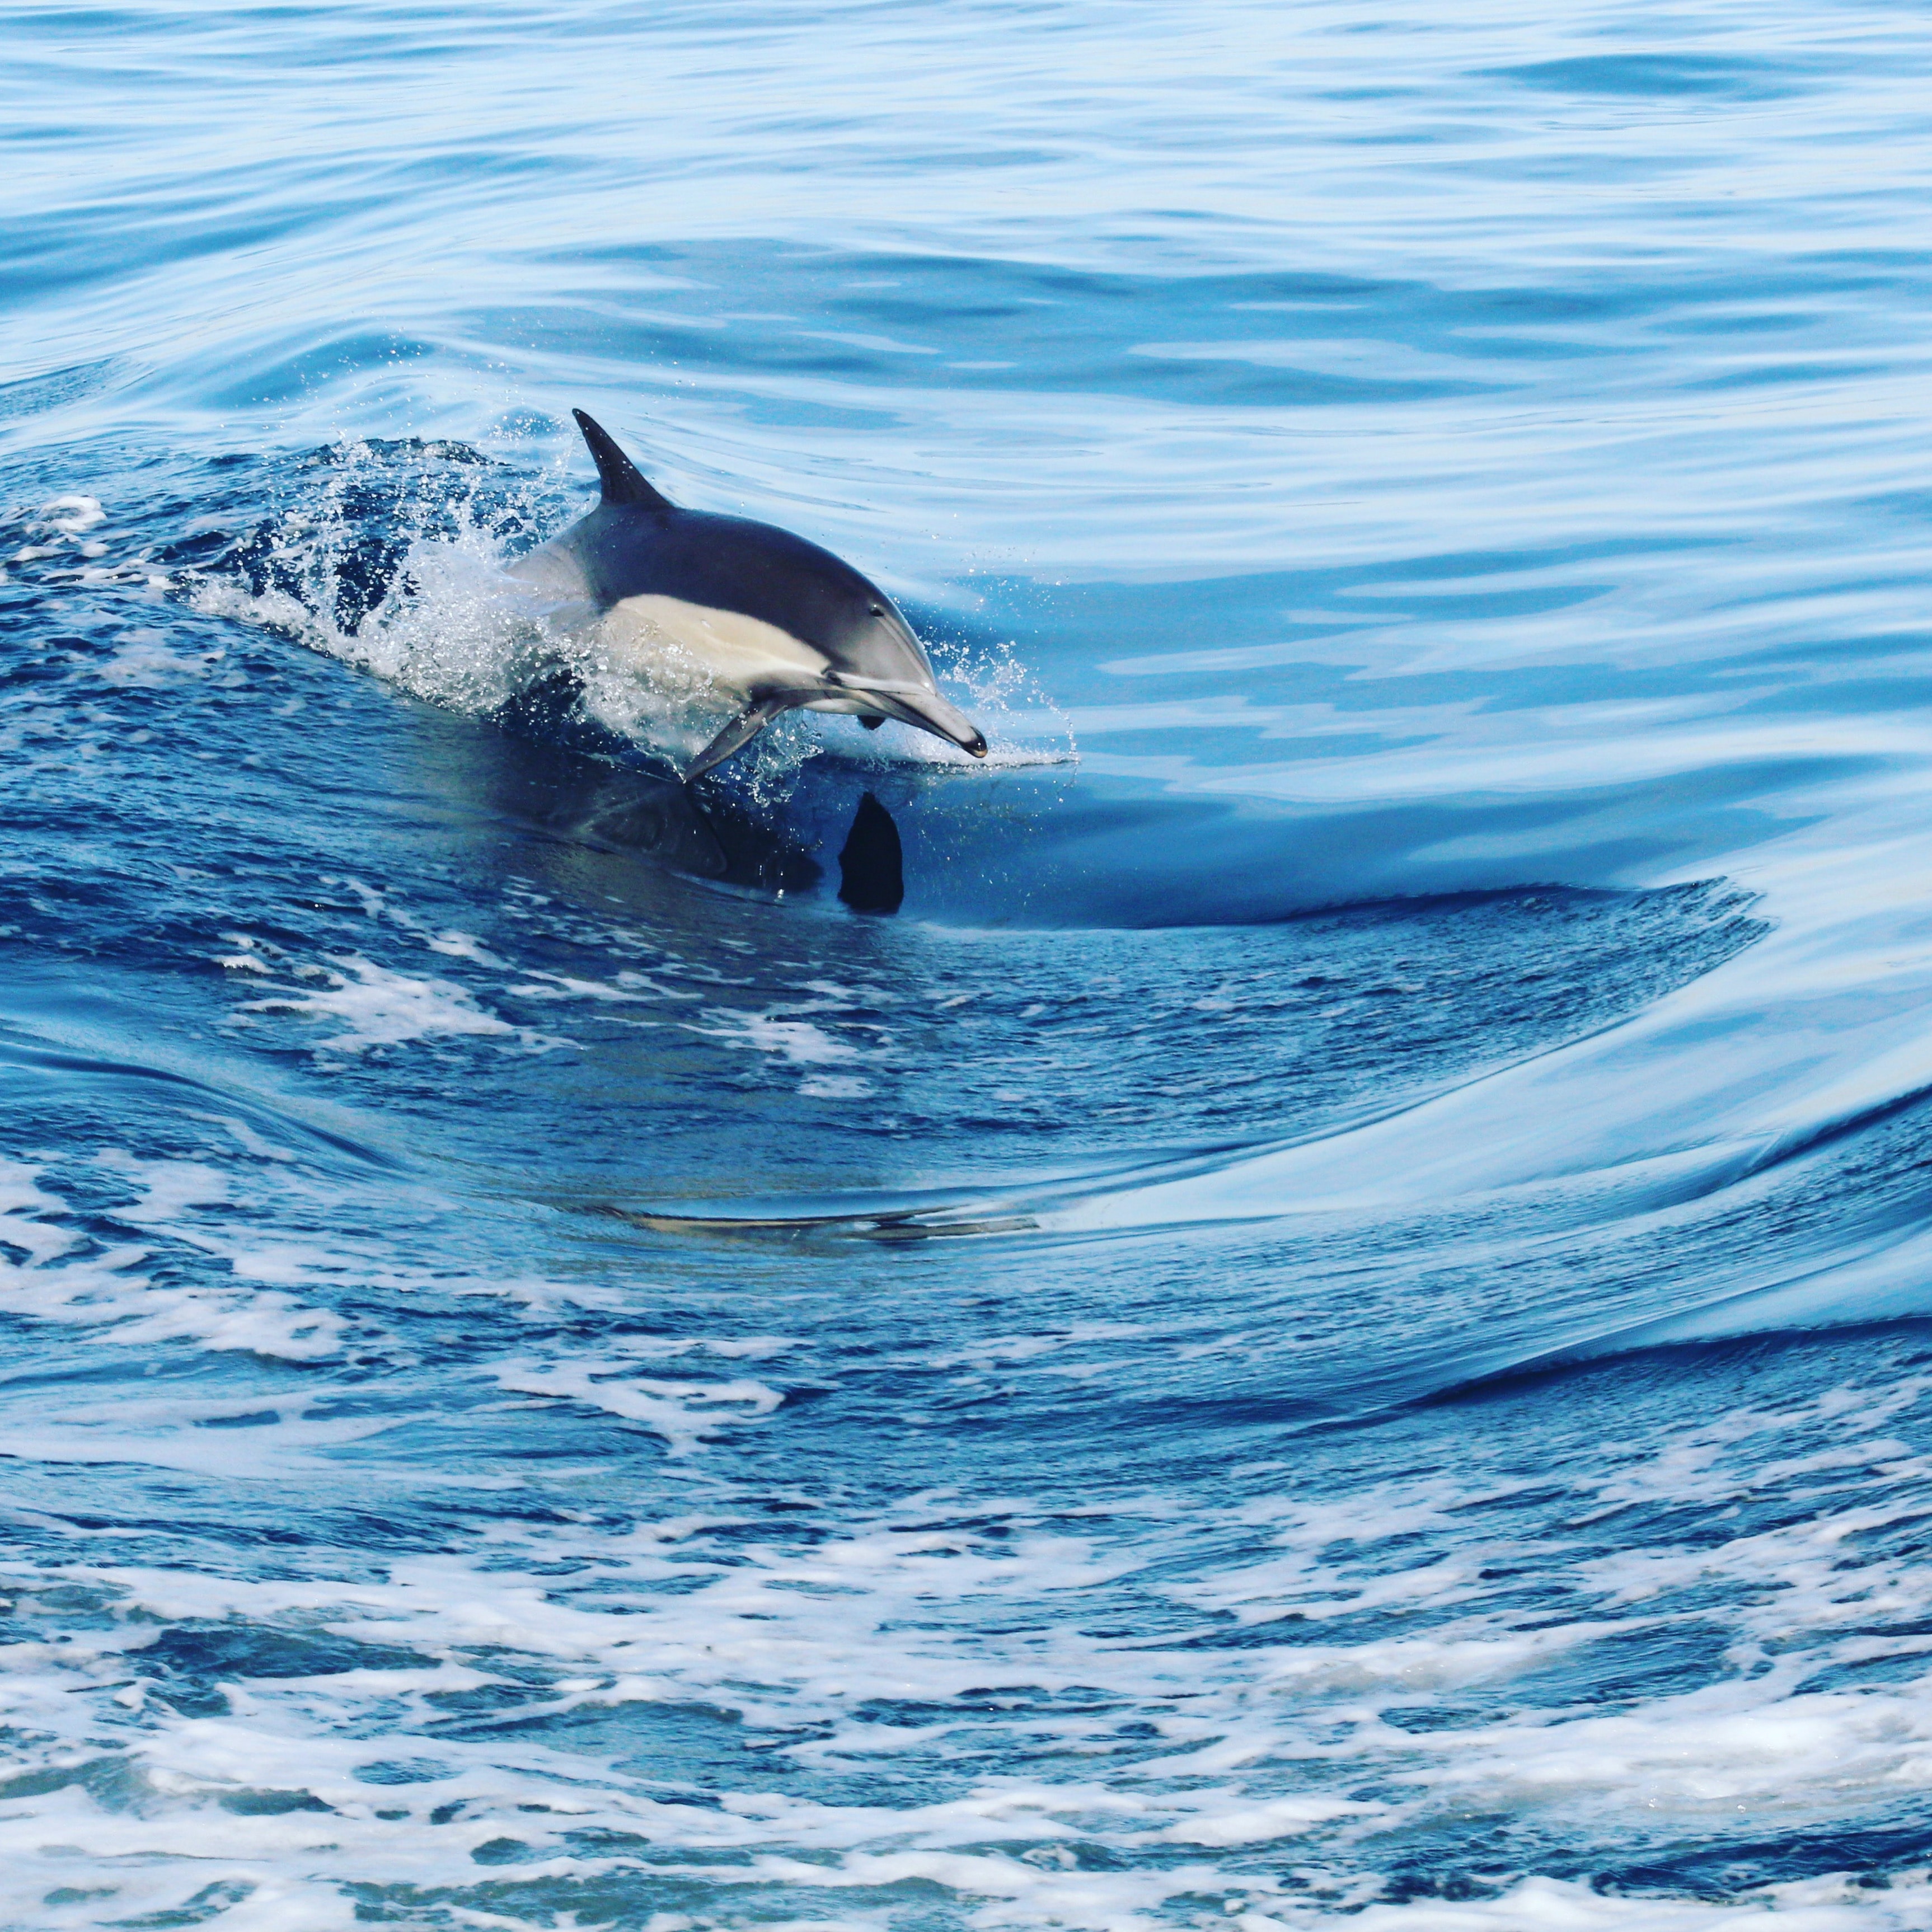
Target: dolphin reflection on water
(554, 769)
(737, 610)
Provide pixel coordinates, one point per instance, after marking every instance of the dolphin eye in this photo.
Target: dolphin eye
(878, 610)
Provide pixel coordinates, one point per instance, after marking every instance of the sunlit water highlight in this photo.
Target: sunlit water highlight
(1305, 1297)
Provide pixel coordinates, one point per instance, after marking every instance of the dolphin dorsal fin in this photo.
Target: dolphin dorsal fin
(623, 481)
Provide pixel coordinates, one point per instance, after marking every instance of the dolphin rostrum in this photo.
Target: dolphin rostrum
(758, 617)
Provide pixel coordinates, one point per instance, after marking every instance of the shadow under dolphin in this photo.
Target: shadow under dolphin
(568, 790)
(561, 770)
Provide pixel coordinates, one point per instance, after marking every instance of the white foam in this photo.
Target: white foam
(1243, 1824)
(107, 1290)
(176, 1433)
(1708, 1755)
(384, 1008)
(23, 1202)
(1834, 1904)
(798, 1041)
(836, 1087)
(684, 1414)
(629, 989)
(143, 661)
(463, 946)
(73, 515)
(800, 1639)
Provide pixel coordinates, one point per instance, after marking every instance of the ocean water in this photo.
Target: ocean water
(1305, 1301)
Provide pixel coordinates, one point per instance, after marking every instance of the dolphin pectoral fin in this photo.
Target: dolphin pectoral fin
(736, 735)
(928, 711)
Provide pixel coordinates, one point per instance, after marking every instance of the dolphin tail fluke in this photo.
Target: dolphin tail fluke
(927, 711)
(736, 735)
(623, 483)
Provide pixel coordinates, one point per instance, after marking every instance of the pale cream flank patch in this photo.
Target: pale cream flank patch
(651, 636)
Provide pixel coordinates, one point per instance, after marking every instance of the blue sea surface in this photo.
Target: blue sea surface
(1304, 1300)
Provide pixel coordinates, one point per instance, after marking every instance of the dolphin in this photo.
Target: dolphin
(759, 617)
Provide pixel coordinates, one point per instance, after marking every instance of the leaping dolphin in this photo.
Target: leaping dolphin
(761, 618)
